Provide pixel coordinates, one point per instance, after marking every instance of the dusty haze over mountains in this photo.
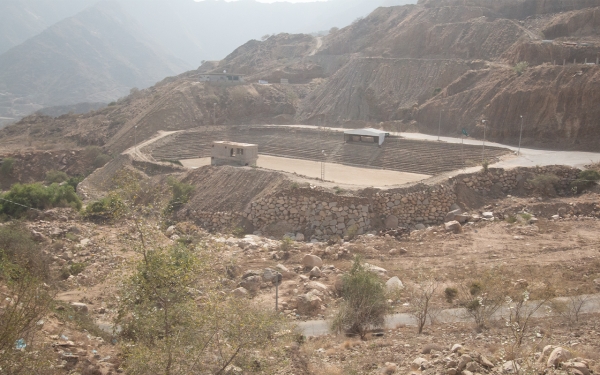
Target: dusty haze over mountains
(64, 52)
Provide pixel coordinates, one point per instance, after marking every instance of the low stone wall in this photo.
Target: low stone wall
(320, 214)
(506, 181)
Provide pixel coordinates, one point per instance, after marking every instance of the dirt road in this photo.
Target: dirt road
(136, 152)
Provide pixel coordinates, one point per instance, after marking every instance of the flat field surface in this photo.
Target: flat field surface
(337, 173)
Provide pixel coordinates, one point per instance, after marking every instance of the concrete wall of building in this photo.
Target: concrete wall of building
(233, 154)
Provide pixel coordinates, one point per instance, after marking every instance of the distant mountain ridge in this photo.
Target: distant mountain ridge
(97, 55)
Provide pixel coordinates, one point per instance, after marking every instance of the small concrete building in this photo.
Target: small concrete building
(368, 135)
(233, 153)
(221, 78)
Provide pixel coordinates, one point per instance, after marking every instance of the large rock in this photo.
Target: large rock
(394, 284)
(315, 272)
(597, 283)
(251, 283)
(377, 270)
(311, 261)
(249, 273)
(315, 285)
(511, 367)
(240, 292)
(558, 356)
(308, 303)
(81, 307)
(268, 275)
(487, 215)
(450, 216)
(391, 222)
(453, 226)
(299, 237)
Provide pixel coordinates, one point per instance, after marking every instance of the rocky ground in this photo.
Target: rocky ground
(526, 238)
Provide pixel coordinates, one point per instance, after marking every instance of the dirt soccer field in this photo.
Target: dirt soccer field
(333, 172)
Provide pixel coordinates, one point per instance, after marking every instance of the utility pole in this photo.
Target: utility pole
(440, 126)
(483, 148)
(214, 113)
(520, 136)
(135, 139)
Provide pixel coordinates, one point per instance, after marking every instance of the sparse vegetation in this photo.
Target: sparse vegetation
(6, 167)
(106, 209)
(22, 197)
(422, 301)
(55, 176)
(585, 180)
(181, 194)
(364, 303)
(521, 67)
(545, 184)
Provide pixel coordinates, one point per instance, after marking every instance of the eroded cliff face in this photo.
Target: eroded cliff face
(558, 105)
(401, 64)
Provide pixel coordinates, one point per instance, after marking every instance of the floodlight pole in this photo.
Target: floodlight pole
(440, 126)
(483, 148)
(520, 136)
(135, 139)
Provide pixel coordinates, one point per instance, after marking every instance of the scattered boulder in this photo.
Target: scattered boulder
(315, 272)
(456, 348)
(37, 236)
(268, 275)
(299, 237)
(311, 261)
(511, 367)
(558, 356)
(420, 226)
(170, 231)
(487, 215)
(308, 303)
(419, 364)
(251, 283)
(393, 284)
(240, 292)
(597, 283)
(450, 216)
(80, 307)
(576, 368)
(377, 270)
(249, 273)
(429, 347)
(315, 285)
(453, 226)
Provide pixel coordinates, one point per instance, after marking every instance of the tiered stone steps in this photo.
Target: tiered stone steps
(398, 154)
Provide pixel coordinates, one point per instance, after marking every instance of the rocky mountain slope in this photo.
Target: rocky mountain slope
(23, 19)
(400, 66)
(96, 56)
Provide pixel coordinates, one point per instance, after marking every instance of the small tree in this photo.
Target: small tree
(421, 298)
(6, 167)
(365, 304)
(482, 296)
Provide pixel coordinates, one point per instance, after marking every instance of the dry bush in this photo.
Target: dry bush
(422, 301)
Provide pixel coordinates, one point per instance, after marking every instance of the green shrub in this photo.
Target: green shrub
(521, 67)
(545, 183)
(450, 294)
(585, 180)
(181, 194)
(55, 176)
(17, 247)
(74, 181)
(101, 160)
(21, 197)
(365, 302)
(7, 166)
(106, 209)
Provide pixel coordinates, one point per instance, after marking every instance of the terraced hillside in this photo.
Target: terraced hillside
(396, 153)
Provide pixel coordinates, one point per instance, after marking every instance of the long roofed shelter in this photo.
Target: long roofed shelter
(369, 135)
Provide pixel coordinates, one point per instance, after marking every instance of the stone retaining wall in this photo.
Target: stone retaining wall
(320, 214)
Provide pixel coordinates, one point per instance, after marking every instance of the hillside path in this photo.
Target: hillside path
(136, 152)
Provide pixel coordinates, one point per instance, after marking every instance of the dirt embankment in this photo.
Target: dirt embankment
(377, 89)
(557, 103)
(230, 188)
(28, 167)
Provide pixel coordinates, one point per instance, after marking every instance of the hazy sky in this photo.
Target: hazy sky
(274, 1)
